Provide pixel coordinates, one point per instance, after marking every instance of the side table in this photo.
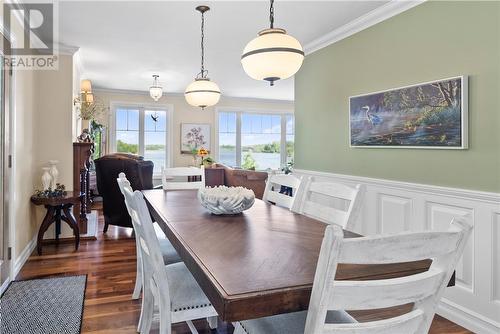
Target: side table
(58, 208)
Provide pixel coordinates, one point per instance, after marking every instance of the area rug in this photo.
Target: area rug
(42, 306)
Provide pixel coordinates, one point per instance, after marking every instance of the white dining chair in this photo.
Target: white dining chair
(176, 178)
(167, 250)
(330, 297)
(317, 199)
(275, 185)
(171, 287)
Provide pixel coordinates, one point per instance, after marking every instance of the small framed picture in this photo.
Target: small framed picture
(194, 136)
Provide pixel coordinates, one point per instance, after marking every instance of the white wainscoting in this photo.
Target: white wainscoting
(391, 206)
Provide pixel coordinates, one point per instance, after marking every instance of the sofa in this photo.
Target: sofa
(250, 179)
(140, 174)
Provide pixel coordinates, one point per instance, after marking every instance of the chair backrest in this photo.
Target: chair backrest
(423, 290)
(282, 189)
(177, 178)
(154, 273)
(122, 184)
(309, 202)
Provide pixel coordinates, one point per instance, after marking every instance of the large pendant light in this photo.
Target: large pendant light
(155, 91)
(273, 55)
(202, 92)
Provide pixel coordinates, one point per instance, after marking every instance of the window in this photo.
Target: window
(144, 131)
(255, 140)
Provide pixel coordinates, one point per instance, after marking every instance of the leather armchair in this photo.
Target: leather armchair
(245, 178)
(138, 171)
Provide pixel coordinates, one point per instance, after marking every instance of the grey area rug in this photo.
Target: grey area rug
(43, 306)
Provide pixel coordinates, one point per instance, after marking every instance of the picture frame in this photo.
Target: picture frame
(428, 115)
(195, 136)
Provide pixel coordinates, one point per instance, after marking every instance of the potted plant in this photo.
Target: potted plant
(208, 162)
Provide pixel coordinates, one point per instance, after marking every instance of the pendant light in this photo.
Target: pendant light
(273, 55)
(202, 92)
(155, 91)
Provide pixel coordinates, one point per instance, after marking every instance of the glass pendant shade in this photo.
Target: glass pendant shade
(155, 91)
(202, 93)
(272, 56)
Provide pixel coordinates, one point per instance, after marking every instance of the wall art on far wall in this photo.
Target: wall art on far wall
(426, 115)
(194, 136)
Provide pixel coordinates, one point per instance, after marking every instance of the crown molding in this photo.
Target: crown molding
(181, 95)
(67, 50)
(377, 15)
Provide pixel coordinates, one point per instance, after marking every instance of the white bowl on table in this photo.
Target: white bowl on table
(222, 200)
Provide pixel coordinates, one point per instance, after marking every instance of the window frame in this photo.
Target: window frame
(142, 107)
(239, 111)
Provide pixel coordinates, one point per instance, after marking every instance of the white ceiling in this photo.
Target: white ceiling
(122, 43)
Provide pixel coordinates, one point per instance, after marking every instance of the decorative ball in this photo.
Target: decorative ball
(222, 200)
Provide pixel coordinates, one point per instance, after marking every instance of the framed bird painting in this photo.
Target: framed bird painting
(426, 115)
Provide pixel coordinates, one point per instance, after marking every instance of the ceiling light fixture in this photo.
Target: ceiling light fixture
(155, 91)
(202, 92)
(273, 55)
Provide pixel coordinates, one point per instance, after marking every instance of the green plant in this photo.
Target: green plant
(249, 161)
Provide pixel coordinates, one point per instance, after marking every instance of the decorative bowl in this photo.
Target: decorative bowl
(222, 200)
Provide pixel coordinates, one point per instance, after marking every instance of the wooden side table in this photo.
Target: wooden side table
(58, 208)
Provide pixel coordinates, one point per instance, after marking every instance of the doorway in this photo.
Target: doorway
(5, 164)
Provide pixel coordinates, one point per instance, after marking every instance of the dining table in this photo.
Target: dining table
(258, 263)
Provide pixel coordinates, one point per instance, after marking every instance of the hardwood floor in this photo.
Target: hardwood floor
(109, 264)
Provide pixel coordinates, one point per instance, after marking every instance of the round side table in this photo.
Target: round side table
(58, 208)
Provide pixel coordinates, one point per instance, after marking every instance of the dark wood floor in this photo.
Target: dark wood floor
(109, 264)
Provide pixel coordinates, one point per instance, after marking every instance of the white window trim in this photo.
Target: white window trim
(143, 106)
(240, 111)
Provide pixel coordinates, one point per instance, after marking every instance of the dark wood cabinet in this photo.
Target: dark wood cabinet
(214, 176)
(82, 153)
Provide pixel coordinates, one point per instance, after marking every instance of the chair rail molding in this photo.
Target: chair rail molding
(392, 206)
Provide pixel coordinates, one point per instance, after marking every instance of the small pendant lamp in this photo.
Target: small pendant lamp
(202, 92)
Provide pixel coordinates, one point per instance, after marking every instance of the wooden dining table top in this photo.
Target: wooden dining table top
(258, 263)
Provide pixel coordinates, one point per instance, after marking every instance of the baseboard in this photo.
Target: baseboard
(5, 285)
(467, 318)
(24, 256)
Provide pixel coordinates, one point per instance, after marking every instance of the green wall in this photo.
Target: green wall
(431, 41)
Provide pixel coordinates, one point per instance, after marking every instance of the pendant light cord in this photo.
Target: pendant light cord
(203, 72)
(271, 14)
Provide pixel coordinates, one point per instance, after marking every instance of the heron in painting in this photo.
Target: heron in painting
(371, 117)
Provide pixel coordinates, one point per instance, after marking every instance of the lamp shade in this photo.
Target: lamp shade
(272, 56)
(85, 86)
(202, 93)
(89, 98)
(155, 92)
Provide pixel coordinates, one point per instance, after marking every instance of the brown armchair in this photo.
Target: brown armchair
(245, 178)
(140, 175)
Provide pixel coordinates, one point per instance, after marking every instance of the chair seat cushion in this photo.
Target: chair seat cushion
(168, 251)
(290, 323)
(185, 293)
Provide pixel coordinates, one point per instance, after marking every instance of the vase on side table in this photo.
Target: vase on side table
(46, 178)
(54, 173)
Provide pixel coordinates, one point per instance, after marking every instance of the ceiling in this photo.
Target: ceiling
(122, 43)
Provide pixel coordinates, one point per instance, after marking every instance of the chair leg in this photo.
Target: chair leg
(212, 322)
(147, 309)
(165, 317)
(138, 277)
(105, 229)
(191, 327)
